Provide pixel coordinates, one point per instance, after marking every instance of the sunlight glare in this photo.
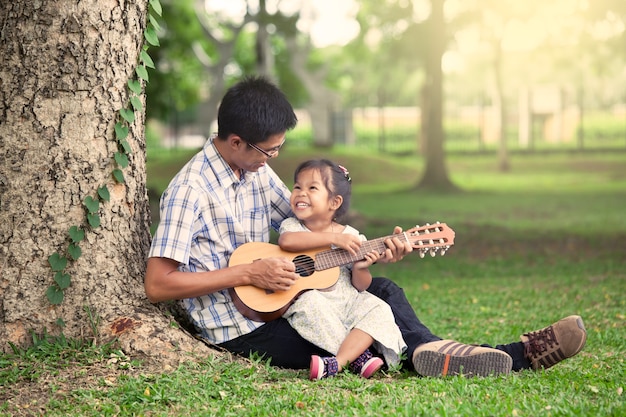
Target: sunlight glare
(552, 19)
(328, 22)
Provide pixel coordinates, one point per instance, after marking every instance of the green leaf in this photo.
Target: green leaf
(91, 204)
(93, 220)
(121, 131)
(74, 251)
(54, 294)
(136, 103)
(121, 159)
(156, 6)
(60, 322)
(62, 280)
(103, 192)
(128, 115)
(134, 86)
(57, 262)
(118, 175)
(142, 72)
(76, 234)
(126, 146)
(147, 61)
(151, 36)
(154, 22)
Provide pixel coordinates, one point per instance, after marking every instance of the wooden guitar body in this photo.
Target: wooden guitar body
(319, 268)
(269, 305)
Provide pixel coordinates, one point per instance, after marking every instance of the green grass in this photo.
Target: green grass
(540, 242)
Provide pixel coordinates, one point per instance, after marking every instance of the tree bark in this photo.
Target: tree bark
(63, 75)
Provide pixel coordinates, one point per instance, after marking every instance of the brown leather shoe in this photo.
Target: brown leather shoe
(447, 357)
(557, 342)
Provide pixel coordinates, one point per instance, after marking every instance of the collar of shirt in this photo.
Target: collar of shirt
(219, 166)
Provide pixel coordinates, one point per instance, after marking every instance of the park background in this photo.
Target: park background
(530, 101)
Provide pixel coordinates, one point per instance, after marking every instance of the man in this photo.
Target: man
(227, 195)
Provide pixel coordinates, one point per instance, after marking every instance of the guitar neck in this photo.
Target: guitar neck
(338, 257)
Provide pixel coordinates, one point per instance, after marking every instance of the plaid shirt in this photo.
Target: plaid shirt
(206, 213)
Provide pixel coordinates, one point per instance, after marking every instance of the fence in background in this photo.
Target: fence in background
(472, 129)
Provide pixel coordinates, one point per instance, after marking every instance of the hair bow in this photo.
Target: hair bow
(346, 173)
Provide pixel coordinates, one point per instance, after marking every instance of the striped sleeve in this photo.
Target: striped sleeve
(173, 237)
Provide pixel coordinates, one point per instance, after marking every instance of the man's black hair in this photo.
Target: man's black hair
(254, 109)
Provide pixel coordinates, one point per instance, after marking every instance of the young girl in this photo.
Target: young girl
(345, 320)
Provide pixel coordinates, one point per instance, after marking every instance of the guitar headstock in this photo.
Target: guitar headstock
(431, 238)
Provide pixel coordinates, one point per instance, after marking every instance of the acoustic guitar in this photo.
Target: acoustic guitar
(319, 268)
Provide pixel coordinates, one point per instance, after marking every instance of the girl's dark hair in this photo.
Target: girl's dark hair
(336, 180)
(254, 109)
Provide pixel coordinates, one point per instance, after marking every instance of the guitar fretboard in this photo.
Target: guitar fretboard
(338, 257)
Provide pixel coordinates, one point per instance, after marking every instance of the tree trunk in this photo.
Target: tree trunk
(504, 164)
(322, 101)
(435, 175)
(215, 66)
(265, 61)
(63, 76)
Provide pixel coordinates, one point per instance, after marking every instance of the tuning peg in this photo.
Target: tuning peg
(433, 252)
(421, 253)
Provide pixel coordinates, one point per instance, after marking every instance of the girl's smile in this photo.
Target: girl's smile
(311, 200)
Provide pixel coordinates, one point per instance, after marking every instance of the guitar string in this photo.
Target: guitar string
(334, 257)
(330, 258)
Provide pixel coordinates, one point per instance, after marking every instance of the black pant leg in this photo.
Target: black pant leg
(280, 342)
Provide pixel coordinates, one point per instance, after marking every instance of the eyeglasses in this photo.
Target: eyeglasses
(268, 154)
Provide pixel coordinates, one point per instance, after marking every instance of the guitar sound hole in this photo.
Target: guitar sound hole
(305, 265)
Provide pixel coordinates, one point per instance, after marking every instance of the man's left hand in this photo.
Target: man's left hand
(396, 249)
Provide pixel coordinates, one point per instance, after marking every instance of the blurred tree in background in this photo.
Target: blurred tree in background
(499, 65)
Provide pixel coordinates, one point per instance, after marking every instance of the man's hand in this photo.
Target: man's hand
(396, 249)
(276, 274)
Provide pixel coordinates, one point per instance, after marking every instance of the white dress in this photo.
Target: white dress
(325, 318)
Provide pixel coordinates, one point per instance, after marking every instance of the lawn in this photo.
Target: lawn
(532, 245)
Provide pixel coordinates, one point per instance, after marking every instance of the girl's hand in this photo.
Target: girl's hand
(370, 258)
(349, 242)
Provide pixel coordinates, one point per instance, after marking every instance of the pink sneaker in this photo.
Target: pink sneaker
(366, 364)
(370, 367)
(322, 367)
